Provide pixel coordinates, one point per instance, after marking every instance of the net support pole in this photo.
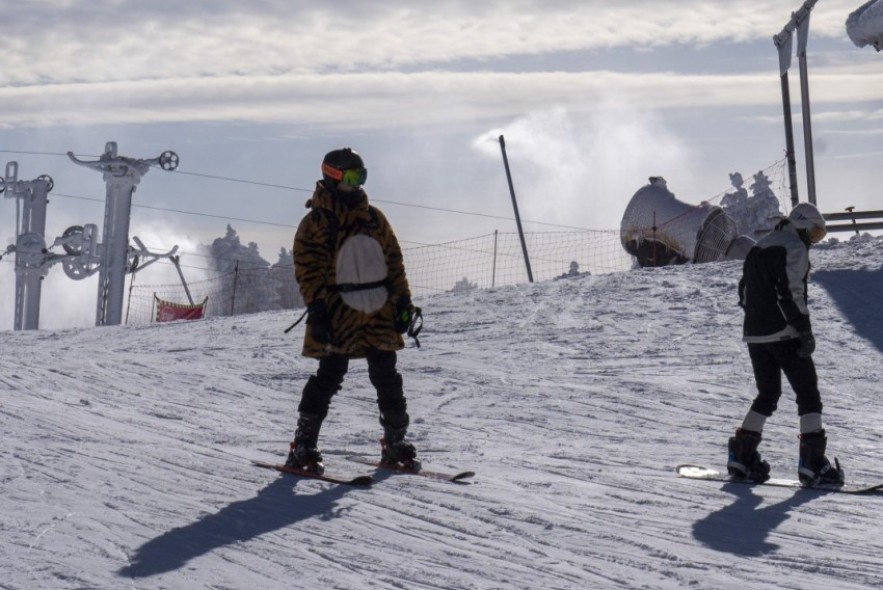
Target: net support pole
(177, 262)
(789, 141)
(515, 208)
(802, 36)
(784, 44)
(494, 266)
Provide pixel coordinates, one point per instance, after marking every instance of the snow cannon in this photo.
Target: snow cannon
(865, 25)
(659, 230)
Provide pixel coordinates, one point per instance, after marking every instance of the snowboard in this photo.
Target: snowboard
(707, 474)
(359, 480)
(453, 477)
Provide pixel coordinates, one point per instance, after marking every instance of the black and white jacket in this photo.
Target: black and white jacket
(772, 290)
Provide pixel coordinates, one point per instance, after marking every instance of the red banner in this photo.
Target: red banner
(166, 311)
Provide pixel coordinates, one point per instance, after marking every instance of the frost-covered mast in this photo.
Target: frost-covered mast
(30, 244)
(783, 41)
(121, 174)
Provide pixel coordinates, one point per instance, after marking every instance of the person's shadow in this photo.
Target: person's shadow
(742, 528)
(857, 294)
(275, 507)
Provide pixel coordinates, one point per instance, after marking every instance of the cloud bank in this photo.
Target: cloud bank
(378, 64)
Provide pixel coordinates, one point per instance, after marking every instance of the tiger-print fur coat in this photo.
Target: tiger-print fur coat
(340, 250)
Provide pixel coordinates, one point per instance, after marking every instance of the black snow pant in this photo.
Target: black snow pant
(327, 381)
(770, 360)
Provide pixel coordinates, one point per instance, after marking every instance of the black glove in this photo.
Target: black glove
(404, 315)
(319, 321)
(807, 344)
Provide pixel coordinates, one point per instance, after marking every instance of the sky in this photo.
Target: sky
(126, 449)
(592, 98)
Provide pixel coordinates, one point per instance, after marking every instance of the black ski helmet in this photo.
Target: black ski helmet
(337, 161)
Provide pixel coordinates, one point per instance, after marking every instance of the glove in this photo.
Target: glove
(404, 315)
(807, 344)
(319, 321)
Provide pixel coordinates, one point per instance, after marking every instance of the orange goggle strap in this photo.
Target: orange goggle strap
(331, 172)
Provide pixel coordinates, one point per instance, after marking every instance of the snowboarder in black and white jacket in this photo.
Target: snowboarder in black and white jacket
(780, 340)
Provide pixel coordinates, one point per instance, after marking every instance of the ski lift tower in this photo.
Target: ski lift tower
(121, 175)
(30, 243)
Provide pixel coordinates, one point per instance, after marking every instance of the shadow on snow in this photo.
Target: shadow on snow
(742, 527)
(856, 293)
(275, 507)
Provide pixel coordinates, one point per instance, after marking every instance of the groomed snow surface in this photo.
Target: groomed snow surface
(125, 450)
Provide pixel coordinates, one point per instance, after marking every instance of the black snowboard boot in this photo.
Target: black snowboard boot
(744, 461)
(304, 453)
(394, 449)
(814, 467)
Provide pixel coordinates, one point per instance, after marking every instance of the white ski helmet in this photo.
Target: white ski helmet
(806, 217)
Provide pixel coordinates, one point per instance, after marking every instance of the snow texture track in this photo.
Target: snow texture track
(126, 450)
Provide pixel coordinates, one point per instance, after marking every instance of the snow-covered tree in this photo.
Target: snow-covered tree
(463, 285)
(283, 274)
(249, 285)
(755, 213)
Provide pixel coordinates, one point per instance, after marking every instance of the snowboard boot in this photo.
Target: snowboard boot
(304, 453)
(814, 467)
(744, 461)
(394, 449)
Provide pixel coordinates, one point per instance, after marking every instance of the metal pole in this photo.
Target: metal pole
(129, 298)
(850, 209)
(789, 141)
(233, 296)
(494, 268)
(176, 260)
(30, 244)
(115, 254)
(515, 207)
(799, 22)
(802, 35)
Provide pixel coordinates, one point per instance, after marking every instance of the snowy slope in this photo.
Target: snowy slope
(125, 450)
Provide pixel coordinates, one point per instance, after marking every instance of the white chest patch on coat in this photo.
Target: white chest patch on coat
(360, 260)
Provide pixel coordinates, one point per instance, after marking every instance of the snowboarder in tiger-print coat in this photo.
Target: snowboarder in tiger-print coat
(357, 241)
(350, 272)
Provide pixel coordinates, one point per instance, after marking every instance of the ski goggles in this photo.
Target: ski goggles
(816, 234)
(354, 176)
(351, 176)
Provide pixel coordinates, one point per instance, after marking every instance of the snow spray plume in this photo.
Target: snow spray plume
(583, 171)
